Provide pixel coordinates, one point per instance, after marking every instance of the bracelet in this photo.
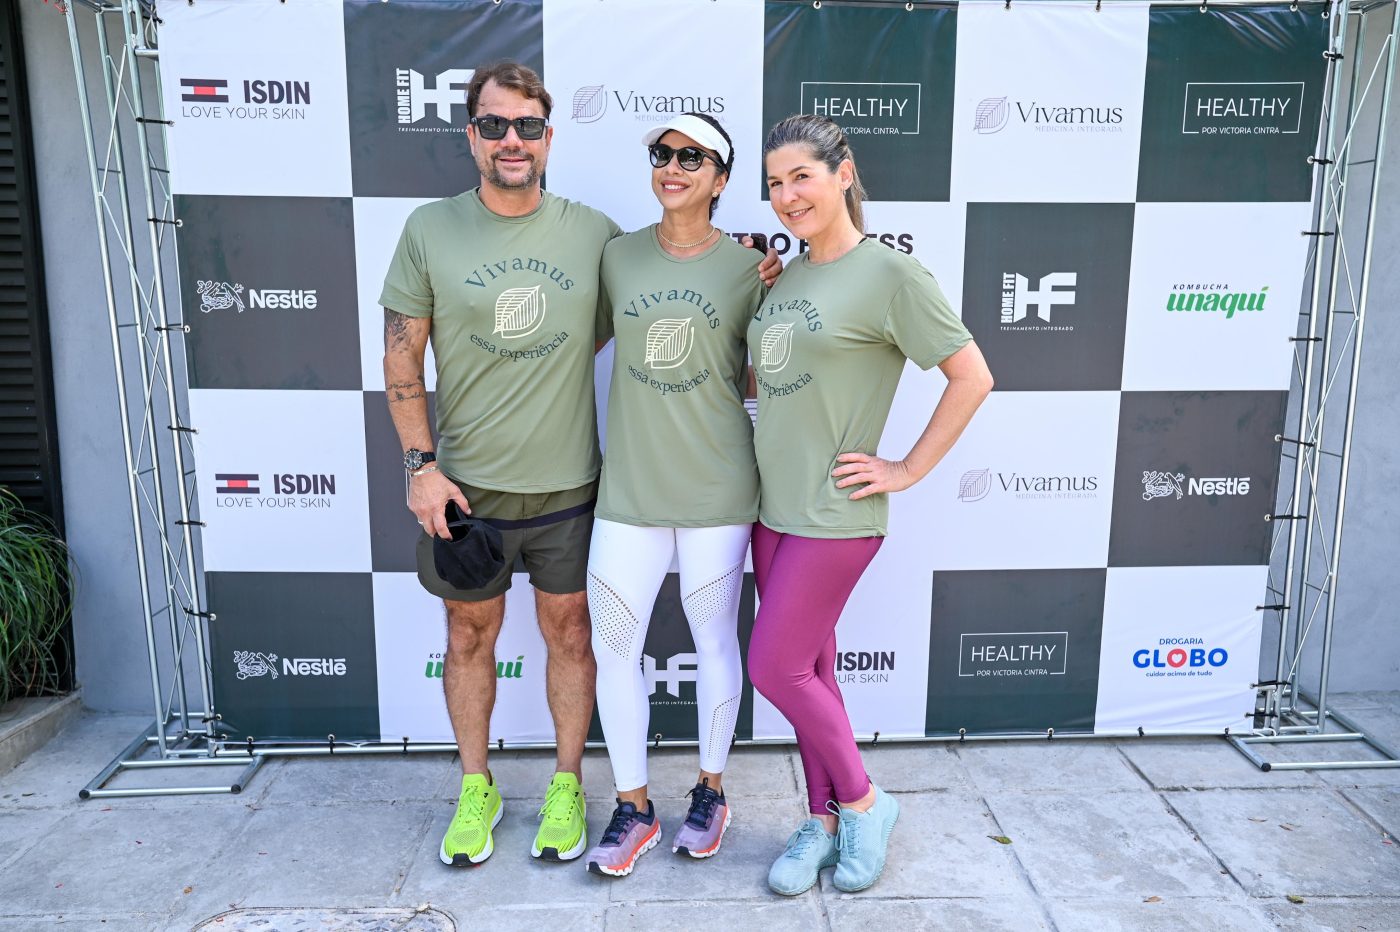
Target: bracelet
(425, 469)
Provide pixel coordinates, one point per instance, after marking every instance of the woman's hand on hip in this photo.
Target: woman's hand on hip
(873, 474)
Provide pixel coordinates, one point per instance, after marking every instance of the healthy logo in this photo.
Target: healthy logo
(775, 347)
(1017, 298)
(219, 296)
(519, 312)
(1020, 653)
(1242, 108)
(991, 115)
(590, 103)
(1216, 298)
(413, 96)
(974, 485)
(877, 108)
(252, 663)
(669, 342)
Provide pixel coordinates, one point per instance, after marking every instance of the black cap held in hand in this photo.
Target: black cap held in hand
(475, 554)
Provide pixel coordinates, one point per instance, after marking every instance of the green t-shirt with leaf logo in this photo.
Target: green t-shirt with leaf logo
(679, 449)
(514, 303)
(829, 345)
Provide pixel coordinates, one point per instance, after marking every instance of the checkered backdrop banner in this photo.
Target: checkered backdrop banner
(1113, 196)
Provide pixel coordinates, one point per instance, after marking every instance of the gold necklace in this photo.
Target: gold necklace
(677, 245)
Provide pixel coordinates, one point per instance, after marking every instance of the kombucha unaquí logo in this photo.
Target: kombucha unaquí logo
(1216, 298)
(505, 669)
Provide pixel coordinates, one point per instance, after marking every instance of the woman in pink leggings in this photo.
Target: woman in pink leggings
(829, 345)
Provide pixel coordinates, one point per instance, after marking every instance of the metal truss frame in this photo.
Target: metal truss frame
(1294, 705)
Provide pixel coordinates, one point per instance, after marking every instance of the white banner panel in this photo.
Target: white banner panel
(281, 478)
(1180, 649)
(259, 106)
(1049, 101)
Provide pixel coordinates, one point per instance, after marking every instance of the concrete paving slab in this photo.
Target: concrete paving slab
(159, 853)
(1164, 914)
(96, 922)
(1366, 699)
(316, 919)
(1312, 751)
(509, 878)
(1382, 805)
(1050, 766)
(1012, 914)
(53, 774)
(911, 768)
(22, 831)
(940, 849)
(1373, 914)
(1106, 844)
(776, 915)
(336, 780)
(1329, 850)
(349, 855)
(1204, 763)
(530, 917)
(739, 871)
(751, 772)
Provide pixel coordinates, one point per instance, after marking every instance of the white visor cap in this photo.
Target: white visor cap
(694, 127)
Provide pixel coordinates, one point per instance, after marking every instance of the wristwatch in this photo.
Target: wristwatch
(414, 460)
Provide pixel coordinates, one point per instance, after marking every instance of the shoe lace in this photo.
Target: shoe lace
(702, 805)
(805, 837)
(559, 802)
(471, 806)
(622, 820)
(847, 833)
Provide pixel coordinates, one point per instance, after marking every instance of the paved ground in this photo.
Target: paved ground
(1149, 834)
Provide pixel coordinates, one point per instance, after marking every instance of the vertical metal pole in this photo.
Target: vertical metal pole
(110, 295)
(111, 85)
(1293, 609)
(132, 25)
(1360, 311)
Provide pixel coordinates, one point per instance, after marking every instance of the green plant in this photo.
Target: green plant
(35, 601)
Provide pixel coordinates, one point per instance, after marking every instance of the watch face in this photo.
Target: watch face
(413, 460)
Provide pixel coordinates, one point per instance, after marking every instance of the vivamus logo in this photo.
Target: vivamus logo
(222, 296)
(669, 342)
(990, 115)
(974, 485)
(252, 664)
(775, 347)
(519, 312)
(1176, 486)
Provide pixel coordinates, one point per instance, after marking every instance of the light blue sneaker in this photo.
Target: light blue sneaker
(862, 839)
(808, 850)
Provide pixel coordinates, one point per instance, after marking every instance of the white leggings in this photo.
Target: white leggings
(626, 566)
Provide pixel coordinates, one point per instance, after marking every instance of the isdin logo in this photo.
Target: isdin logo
(505, 669)
(252, 663)
(775, 347)
(1017, 298)
(219, 296)
(519, 312)
(413, 96)
(669, 342)
(974, 485)
(991, 115)
(590, 103)
(1217, 298)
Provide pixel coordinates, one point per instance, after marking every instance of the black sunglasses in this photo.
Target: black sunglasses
(491, 126)
(690, 157)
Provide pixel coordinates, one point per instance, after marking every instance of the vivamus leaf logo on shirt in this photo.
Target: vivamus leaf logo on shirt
(669, 342)
(775, 347)
(519, 312)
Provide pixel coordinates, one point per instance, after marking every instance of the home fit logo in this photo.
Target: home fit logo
(253, 664)
(1017, 299)
(505, 669)
(993, 114)
(1216, 298)
(221, 296)
(1180, 657)
(1242, 108)
(1019, 653)
(291, 490)
(1175, 485)
(677, 669)
(208, 99)
(866, 108)
(977, 484)
(592, 101)
(415, 94)
(863, 666)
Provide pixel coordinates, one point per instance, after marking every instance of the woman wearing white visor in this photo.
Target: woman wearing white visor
(679, 478)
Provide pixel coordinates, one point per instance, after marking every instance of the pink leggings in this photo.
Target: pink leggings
(803, 583)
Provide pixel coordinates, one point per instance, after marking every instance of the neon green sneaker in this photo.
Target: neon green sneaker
(563, 833)
(468, 838)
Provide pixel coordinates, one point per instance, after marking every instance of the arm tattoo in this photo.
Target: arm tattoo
(395, 329)
(406, 391)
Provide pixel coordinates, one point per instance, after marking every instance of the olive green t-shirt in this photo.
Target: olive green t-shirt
(514, 303)
(828, 346)
(680, 443)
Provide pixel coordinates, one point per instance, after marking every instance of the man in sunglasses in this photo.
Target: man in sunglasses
(504, 280)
